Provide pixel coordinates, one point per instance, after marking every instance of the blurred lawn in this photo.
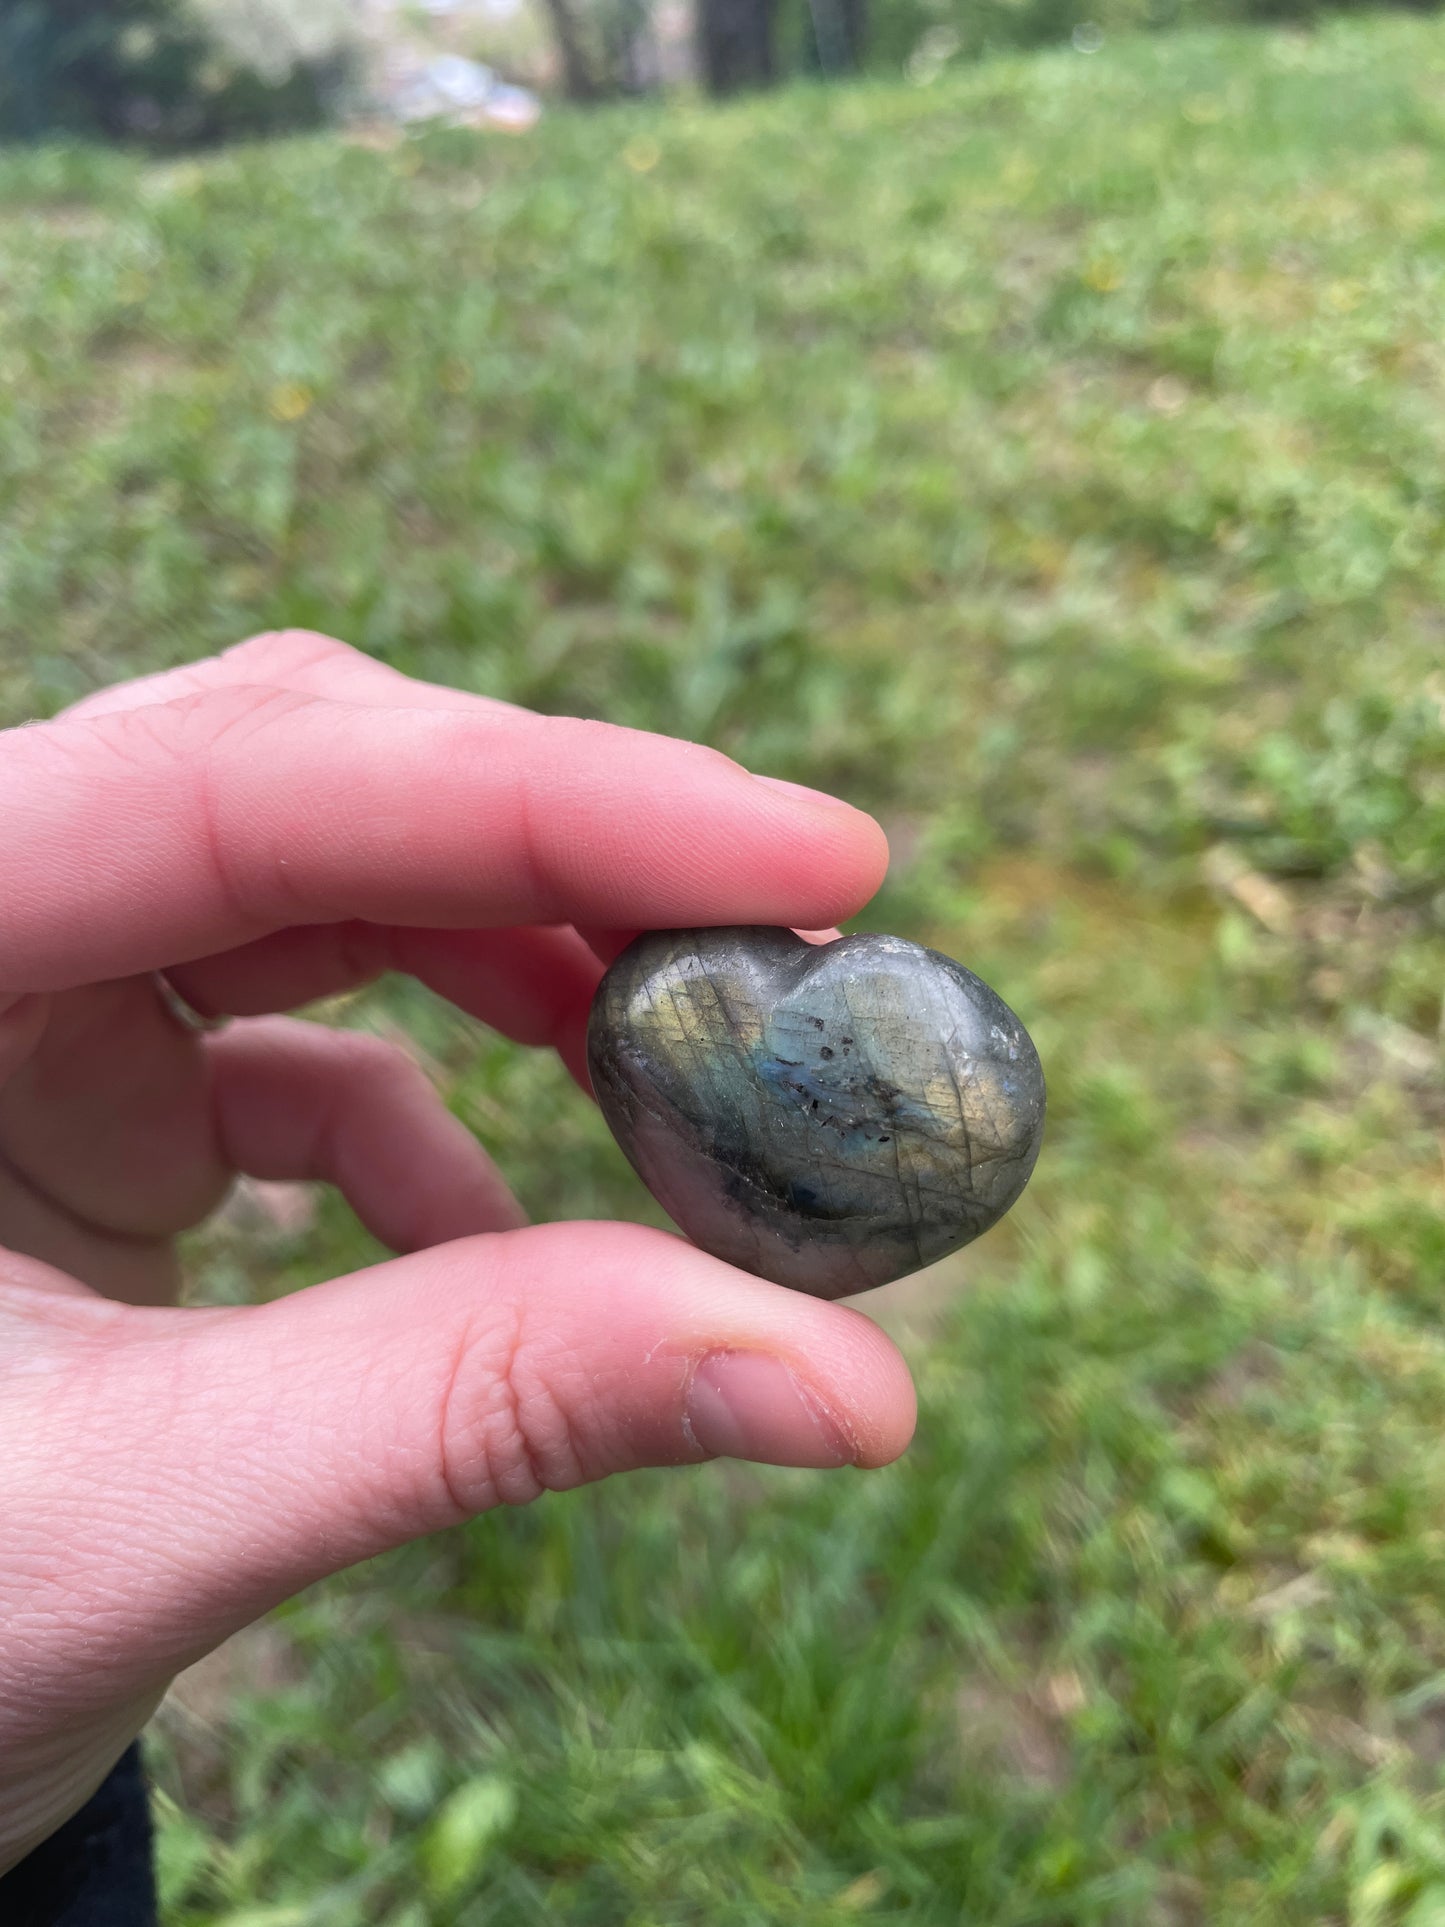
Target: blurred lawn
(1053, 460)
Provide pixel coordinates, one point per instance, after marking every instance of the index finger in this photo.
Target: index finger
(148, 837)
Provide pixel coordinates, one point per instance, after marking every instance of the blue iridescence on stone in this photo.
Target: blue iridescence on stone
(827, 1116)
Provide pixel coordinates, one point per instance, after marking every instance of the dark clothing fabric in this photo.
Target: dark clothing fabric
(96, 1871)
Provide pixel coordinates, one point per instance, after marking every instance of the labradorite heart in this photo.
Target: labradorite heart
(829, 1116)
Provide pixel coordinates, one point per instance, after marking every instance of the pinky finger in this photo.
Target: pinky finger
(297, 1100)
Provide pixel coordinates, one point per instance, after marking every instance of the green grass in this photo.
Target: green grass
(1053, 459)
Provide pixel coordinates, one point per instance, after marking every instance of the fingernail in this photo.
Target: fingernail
(820, 797)
(746, 1405)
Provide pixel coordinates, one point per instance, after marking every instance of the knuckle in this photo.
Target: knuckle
(216, 727)
(241, 713)
(283, 652)
(381, 1060)
(506, 1432)
(183, 732)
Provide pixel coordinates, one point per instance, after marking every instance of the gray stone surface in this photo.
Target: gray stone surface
(827, 1116)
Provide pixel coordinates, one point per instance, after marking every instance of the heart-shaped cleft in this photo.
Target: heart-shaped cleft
(828, 1116)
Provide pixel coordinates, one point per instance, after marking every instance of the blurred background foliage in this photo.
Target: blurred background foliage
(1051, 457)
(169, 73)
(190, 72)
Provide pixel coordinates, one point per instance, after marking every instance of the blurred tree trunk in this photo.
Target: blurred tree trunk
(603, 47)
(577, 75)
(735, 44)
(838, 30)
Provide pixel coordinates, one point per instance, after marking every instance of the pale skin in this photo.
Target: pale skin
(283, 822)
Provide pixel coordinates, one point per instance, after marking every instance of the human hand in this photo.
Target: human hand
(281, 823)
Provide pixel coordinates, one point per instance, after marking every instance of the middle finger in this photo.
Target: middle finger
(534, 983)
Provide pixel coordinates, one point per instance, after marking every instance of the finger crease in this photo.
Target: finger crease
(233, 899)
(520, 1442)
(544, 909)
(485, 1494)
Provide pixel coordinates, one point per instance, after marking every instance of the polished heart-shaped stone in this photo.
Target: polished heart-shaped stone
(829, 1116)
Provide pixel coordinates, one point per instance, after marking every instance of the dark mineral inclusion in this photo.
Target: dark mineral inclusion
(828, 1116)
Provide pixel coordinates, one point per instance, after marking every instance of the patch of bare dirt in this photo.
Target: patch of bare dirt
(1022, 1734)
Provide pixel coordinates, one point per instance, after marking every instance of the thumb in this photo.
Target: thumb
(236, 1455)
